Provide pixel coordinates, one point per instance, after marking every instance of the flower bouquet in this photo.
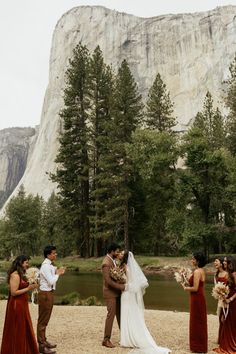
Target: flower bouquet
(183, 275)
(118, 274)
(32, 276)
(220, 293)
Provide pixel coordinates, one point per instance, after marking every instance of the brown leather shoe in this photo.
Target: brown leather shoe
(107, 343)
(46, 350)
(49, 345)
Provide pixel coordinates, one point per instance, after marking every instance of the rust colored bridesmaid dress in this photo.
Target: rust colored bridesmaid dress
(225, 281)
(18, 335)
(227, 338)
(198, 319)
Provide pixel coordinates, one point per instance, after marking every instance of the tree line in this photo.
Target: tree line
(123, 173)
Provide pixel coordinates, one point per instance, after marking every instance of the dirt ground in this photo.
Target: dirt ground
(79, 329)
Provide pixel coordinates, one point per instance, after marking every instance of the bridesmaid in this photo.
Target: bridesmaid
(227, 339)
(221, 276)
(18, 335)
(198, 316)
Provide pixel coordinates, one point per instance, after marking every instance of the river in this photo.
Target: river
(163, 293)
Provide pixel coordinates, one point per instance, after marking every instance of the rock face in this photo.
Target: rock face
(192, 52)
(15, 146)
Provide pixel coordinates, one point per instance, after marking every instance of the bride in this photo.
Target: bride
(133, 330)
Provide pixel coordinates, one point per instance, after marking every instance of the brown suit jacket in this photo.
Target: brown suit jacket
(110, 287)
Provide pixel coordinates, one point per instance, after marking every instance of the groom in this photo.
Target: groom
(111, 293)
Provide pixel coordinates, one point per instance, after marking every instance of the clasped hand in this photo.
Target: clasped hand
(33, 286)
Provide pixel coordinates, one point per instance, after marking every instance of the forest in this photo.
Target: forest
(124, 174)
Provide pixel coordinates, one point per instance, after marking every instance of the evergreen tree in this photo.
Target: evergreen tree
(206, 173)
(72, 173)
(159, 108)
(22, 224)
(57, 226)
(126, 115)
(159, 146)
(155, 155)
(231, 104)
(211, 124)
(100, 95)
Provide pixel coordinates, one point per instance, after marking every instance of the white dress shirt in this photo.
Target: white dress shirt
(113, 260)
(48, 276)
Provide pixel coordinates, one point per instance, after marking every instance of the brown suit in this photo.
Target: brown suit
(111, 293)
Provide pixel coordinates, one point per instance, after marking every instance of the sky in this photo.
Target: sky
(26, 29)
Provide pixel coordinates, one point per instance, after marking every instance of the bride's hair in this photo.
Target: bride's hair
(125, 258)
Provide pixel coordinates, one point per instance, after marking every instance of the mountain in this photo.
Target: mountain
(15, 147)
(192, 52)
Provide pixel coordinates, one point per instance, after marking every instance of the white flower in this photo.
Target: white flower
(220, 291)
(183, 275)
(32, 275)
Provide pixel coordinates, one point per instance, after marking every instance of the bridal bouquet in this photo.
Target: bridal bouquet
(118, 274)
(32, 276)
(183, 275)
(220, 293)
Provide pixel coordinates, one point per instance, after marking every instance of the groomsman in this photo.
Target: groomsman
(48, 278)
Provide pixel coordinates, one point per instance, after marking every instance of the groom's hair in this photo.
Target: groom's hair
(48, 250)
(113, 247)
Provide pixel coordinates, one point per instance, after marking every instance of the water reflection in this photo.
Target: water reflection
(163, 292)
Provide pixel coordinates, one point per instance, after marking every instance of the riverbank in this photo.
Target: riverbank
(149, 265)
(79, 329)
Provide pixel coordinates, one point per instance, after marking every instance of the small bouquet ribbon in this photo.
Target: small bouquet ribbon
(220, 292)
(118, 274)
(183, 275)
(32, 275)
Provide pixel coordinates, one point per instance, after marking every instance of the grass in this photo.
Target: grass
(85, 265)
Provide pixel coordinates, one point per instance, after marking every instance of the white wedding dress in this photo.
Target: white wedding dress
(133, 330)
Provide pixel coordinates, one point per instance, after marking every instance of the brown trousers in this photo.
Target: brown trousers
(113, 309)
(45, 301)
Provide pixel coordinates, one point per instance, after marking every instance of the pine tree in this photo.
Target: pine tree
(57, 227)
(72, 175)
(160, 142)
(159, 108)
(205, 176)
(155, 154)
(100, 95)
(231, 104)
(211, 124)
(22, 224)
(126, 115)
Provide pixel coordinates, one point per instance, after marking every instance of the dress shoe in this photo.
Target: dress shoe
(49, 345)
(107, 343)
(46, 350)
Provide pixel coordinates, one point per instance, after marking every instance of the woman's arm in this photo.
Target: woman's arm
(233, 297)
(196, 280)
(14, 285)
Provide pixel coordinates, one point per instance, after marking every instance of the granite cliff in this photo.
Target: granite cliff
(192, 52)
(15, 148)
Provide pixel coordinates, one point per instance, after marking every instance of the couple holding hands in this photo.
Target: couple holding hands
(125, 302)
